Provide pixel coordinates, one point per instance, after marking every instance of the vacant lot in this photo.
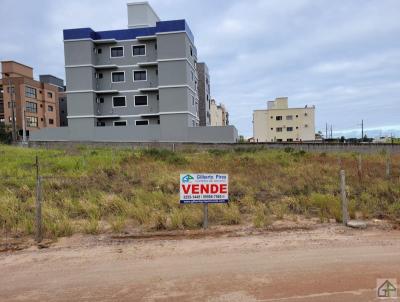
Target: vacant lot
(317, 263)
(102, 190)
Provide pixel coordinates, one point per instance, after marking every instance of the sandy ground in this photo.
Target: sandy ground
(322, 263)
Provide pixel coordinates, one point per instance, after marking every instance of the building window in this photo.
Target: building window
(141, 100)
(118, 76)
(158, 97)
(141, 122)
(157, 71)
(279, 140)
(305, 113)
(305, 126)
(30, 92)
(49, 94)
(279, 129)
(11, 104)
(139, 75)
(191, 51)
(119, 101)
(289, 117)
(297, 115)
(51, 121)
(31, 107)
(297, 127)
(139, 50)
(99, 75)
(117, 52)
(12, 89)
(101, 124)
(289, 129)
(272, 129)
(120, 123)
(100, 100)
(50, 108)
(289, 140)
(98, 51)
(31, 121)
(272, 117)
(155, 46)
(279, 118)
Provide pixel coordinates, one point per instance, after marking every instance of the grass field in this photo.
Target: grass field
(104, 190)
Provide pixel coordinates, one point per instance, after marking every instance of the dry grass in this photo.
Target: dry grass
(103, 190)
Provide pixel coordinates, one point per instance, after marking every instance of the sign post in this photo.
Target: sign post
(204, 188)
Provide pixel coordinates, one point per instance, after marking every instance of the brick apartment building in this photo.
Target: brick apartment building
(37, 101)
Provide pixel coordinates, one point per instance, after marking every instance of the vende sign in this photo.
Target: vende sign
(204, 188)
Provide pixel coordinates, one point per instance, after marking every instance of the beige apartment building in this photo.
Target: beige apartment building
(36, 101)
(219, 116)
(279, 123)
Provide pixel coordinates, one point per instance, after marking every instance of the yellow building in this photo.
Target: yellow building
(219, 116)
(279, 123)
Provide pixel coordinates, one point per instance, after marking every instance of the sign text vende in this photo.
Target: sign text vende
(204, 188)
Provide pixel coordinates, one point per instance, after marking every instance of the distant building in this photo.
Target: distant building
(219, 114)
(279, 123)
(62, 96)
(36, 100)
(204, 92)
(137, 84)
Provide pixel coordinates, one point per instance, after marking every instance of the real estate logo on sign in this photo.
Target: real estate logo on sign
(204, 188)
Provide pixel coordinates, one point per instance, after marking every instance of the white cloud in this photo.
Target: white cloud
(342, 56)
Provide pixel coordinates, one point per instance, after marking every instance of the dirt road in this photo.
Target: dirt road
(326, 263)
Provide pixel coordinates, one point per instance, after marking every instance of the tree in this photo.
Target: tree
(5, 134)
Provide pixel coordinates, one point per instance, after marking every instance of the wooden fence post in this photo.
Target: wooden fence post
(38, 207)
(388, 165)
(345, 213)
(359, 167)
(205, 221)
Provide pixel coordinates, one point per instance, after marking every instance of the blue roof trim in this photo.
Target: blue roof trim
(130, 33)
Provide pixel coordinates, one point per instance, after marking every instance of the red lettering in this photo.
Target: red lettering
(223, 189)
(186, 189)
(214, 188)
(195, 189)
(204, 189)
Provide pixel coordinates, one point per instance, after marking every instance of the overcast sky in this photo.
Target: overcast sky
(342, 56)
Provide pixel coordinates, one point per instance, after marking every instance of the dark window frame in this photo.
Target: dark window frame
(118, 97)
(138, 97)
(117, 49)
(141, 72)
(139, 50)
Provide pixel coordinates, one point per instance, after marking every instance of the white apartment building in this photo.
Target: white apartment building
(279, 123)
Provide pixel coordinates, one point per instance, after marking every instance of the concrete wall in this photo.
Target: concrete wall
(149, 133)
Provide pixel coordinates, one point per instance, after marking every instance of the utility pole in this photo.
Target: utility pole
(362, 130)
(326, 131)
(331, 132)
